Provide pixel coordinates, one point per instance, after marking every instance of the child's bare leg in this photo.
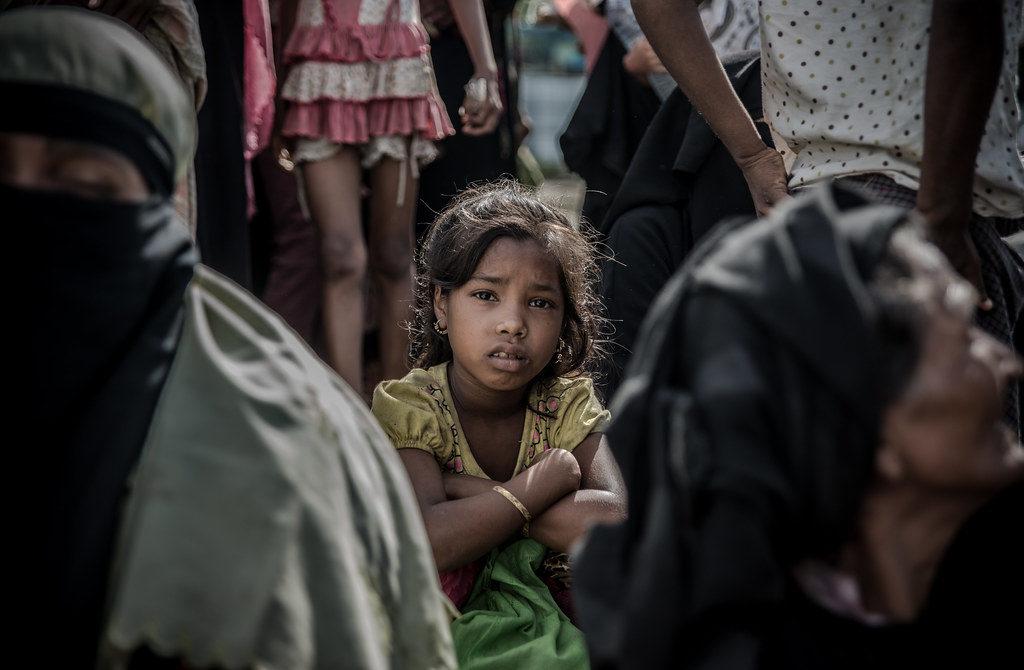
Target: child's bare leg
(332, 192)
(391, 243)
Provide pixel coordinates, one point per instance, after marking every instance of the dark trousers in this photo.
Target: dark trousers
(287, 249)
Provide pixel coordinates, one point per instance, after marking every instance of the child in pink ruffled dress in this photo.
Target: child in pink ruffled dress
(361, 102)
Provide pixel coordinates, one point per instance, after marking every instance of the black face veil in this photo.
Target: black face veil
(103, 290)
(746, 429)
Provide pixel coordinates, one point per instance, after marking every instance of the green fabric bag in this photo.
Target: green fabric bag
(512, 621)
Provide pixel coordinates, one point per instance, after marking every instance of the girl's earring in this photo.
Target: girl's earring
(558, 351)
(439, 329)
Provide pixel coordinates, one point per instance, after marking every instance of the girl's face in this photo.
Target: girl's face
(945, 431)
(504, 323)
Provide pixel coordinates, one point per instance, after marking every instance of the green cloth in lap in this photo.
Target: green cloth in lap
(511, 619)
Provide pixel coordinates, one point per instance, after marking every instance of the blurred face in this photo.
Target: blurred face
(945, 432)
(38, 163)
(504, 323)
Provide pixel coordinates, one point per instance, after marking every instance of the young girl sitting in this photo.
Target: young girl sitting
(499, 427)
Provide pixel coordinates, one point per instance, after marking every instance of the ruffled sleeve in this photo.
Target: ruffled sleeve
(579, 413)
(408, 414)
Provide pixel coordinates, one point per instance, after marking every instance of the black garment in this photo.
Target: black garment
(286, 251)
(102, 283)
(464, 159)
(681, 182)
(222, 223)
(981, 571)
(1002, 272)
(605, 130)
(105, 293)
(646, 246)
(963, 624)
(746, 430)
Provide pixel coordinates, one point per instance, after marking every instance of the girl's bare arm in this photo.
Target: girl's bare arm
(462, 530)
(601, 497)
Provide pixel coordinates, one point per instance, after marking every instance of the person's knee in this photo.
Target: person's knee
(391, 258)
(343, 257)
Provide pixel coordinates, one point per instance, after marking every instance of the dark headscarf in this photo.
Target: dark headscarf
(681, 162)
(745, 429)
(681, 182)
(606, 127)
(104, 289)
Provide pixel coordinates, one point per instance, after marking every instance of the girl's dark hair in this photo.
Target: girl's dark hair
(459, 238)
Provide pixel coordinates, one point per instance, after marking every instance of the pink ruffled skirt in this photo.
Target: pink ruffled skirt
(360, 74)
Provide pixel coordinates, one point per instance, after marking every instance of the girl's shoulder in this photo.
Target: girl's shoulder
(418, 379)
(557, 391)
(412, 409)
(571, 407)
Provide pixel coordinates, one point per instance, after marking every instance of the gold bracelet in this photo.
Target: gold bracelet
(515, 501)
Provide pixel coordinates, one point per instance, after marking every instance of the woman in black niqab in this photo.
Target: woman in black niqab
(103, 288)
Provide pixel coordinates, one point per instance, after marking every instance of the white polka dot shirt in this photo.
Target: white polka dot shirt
(843, 86)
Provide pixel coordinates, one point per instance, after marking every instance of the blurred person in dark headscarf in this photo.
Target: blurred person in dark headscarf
(172, 27)
(194, 469)
(809, 421)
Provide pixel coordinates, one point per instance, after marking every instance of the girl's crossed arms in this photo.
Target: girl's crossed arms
(498, 426)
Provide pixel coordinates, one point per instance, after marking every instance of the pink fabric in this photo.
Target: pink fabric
(259, 79)
(347, 122)
(588, 26)
(356, 44)
(457, 584)
(340, 38)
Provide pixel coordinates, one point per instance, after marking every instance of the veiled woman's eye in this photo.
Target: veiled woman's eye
(90, 188)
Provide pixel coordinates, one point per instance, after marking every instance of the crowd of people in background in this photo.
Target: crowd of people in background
(315, 381)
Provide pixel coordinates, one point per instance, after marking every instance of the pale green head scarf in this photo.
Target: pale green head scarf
(78, 74)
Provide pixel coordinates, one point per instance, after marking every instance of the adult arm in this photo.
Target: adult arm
(481, 108)
(601, 497)
(675, 30)
(464, 529)
(965, 52)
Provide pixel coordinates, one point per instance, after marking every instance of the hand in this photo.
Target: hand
(547, 15)
(481, 108)
(559, 469)
(766, 178)
(954, 240)
(136, 13)
(282, 152)
(641, 60)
